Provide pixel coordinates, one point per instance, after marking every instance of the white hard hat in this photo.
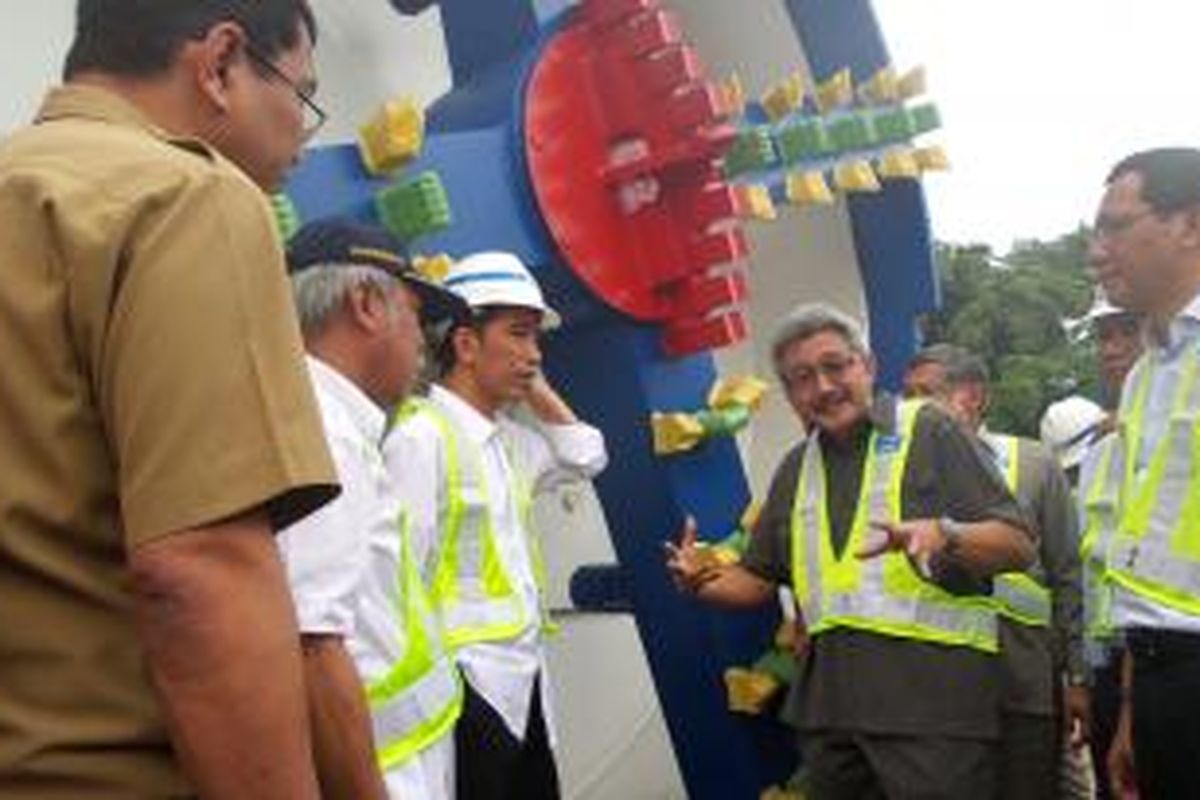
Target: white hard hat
(1101, 308)
(1069, 427)
(498, 279)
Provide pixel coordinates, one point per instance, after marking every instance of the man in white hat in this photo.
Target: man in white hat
(1069, 428)
(1081, 434)
(469, 469)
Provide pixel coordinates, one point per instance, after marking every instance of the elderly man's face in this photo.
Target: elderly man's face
(828, 383)
(398, 345)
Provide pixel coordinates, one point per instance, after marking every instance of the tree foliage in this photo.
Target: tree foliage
(1011, 311)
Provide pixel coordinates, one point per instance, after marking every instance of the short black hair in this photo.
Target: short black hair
(1170, 177)
(140, 38)
(942, 354)
(970, 369)
(960, 364)
(477, 320)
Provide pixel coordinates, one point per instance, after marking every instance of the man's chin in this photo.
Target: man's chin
(838, 422)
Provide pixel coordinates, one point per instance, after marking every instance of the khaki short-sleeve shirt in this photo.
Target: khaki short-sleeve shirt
(151, 381)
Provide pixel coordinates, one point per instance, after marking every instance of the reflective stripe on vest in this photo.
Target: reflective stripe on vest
(1019, 597)
(420, 698)
(537, 560)
(472, 586)
(882, 595)
(1156, 549)
(1099, 511)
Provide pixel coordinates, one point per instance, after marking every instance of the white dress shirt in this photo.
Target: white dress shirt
(343, 563)
(1132, 610)
(503, 673)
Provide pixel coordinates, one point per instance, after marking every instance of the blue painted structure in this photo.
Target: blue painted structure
(611, 368)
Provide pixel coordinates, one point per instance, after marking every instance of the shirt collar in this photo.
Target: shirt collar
(368, 418)
(1184, 326)
(882, 414)
(992, 443)
(473, 423)
(83, 101)
(74, 100)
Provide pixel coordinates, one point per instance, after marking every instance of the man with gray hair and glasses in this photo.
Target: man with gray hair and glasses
(383, 694)
(888, 524)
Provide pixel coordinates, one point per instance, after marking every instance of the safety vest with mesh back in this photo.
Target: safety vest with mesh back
(472, 587)
(420, 698)
(1100, 492)
(1156, 547)
(1018, 595)
(883, 595)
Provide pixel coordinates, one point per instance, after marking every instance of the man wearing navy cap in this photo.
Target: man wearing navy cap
(364, 617)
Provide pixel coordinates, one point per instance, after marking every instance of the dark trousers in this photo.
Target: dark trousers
(847, 766)
(1029, 757)
(492, 764)
(1166, 713)
(1106, 707)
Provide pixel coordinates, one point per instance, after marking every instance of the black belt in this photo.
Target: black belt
(1162, 646)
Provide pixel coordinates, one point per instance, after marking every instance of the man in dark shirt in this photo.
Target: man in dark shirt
(888, 707)
(1041, 625)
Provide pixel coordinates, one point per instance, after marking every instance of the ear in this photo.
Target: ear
(1191, 230)
(366, 309)
(465, 341)
(870, 363)
(213, 58)
(985, 399)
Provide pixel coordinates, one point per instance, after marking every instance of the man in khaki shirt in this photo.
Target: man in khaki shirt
(156, 421)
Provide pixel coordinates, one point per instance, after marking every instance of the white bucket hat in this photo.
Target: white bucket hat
(499, 279)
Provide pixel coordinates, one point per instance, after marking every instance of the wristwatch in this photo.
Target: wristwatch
(953, 532)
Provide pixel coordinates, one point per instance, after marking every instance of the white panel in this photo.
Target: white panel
(33, 43)
(613, 743)
(368, 53)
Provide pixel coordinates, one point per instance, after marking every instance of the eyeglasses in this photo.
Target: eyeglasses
(804, 377)
(314, 115)
(1107, 226)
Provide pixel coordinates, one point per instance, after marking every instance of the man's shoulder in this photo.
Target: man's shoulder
(932, 418)
(416, 419)
(81, 159)
(1034, 451)
(788, 467)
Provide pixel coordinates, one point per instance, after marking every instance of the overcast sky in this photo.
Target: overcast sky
(1040, 97)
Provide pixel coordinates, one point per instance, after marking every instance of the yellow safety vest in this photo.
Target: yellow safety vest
(1156, 548)
(420, 698)
(472, 586)
(882, 595)
(1100, 496)
(1019, 597)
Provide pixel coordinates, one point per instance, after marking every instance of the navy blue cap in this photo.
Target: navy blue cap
(344, 242)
